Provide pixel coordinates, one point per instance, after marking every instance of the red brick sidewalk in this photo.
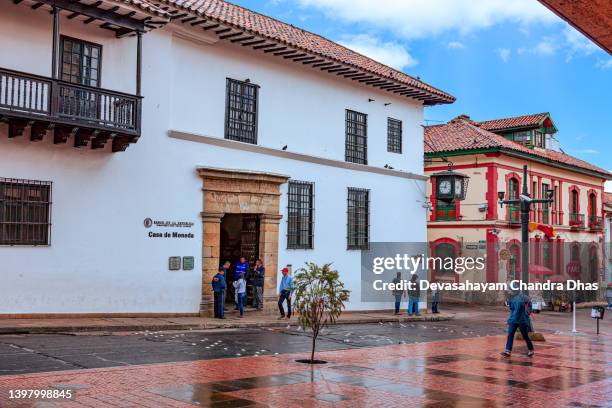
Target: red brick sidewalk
(566, 371)
(251, 319)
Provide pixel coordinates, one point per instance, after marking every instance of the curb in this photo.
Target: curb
(209, 326)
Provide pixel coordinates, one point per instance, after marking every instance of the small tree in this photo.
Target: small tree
(319, 298)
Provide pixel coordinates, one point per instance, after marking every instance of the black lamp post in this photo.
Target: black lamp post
(525, 202)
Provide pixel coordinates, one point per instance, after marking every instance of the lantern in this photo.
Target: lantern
(451, 185)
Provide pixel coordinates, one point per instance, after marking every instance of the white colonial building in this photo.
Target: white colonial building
(142, 144)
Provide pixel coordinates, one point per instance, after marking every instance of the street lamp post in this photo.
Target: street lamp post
(525, 201)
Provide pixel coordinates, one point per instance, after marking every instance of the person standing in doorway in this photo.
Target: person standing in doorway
(414, 293)
(397, 293)
(242, 267)
(284, 289)
(226, 274)
(240, 287)
(259, 274)
(520, 309)
(218, 287)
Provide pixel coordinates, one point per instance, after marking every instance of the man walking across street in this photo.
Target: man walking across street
(218, 287)
(284, 289)
(520, 308)
(258, 284)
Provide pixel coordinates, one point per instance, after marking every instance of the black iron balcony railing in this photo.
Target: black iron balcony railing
(595, 222)
(37, 98)
(576, 220)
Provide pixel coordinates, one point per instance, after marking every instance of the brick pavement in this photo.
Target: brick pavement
(566, 372)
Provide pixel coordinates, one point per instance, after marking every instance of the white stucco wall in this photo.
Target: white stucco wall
(101, 259)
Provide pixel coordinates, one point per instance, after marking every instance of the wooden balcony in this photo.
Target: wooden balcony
(90, 116)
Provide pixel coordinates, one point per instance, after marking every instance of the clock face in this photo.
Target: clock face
(458, 187)
(445, 187)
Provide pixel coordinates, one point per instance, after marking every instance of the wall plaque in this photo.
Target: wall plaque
(174, 263)
(188, 262)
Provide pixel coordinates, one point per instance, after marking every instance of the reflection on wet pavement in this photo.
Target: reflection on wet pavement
(565, 372)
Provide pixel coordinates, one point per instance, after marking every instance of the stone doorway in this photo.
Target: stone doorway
(239, 237)
(241, 192)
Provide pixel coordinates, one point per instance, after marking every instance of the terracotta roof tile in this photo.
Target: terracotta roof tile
(272, 29)
(462, 133)
(608, 199)
(514, 122)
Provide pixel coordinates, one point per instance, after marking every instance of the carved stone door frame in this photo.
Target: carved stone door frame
(228, 191)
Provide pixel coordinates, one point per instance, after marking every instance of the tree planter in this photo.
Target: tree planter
(309, 361)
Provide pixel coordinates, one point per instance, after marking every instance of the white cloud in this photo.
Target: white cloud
(389, 53)
(545, 47)
(604, 64)
(587, 151)
(608, 185)
(455, 45)
(418, 18)
(577, 43)
(504, 53)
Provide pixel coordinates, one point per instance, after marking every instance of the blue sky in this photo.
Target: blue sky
(498, 57)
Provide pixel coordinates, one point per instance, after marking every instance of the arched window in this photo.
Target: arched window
(593, 210)
(443, 251)
(574, 202)
(575, 253)
(514, 263)
(513, 194)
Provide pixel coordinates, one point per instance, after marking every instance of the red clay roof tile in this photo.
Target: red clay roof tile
(272, 29)
(462, 133)
(514, 122)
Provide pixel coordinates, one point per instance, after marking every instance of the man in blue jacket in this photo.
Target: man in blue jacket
(284, 289)
(218, 287)
(242, 267)
(520, 309)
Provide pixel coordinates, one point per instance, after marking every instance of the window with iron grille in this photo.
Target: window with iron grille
(394, 135)
(241, 111)
(25, 212)
(300, 215)
(358, 219)
(356, 137)
(80, 61)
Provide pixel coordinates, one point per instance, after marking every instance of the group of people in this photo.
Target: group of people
(243, 272)
(414, 294)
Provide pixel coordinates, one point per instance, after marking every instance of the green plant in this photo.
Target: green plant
(319, 298)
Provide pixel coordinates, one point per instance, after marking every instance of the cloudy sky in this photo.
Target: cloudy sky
(498, 57)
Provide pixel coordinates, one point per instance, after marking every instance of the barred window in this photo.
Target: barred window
(356, 137)
(394, 135)
(301, 215)
(25, 212)
(241, 111)
(358, 219)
